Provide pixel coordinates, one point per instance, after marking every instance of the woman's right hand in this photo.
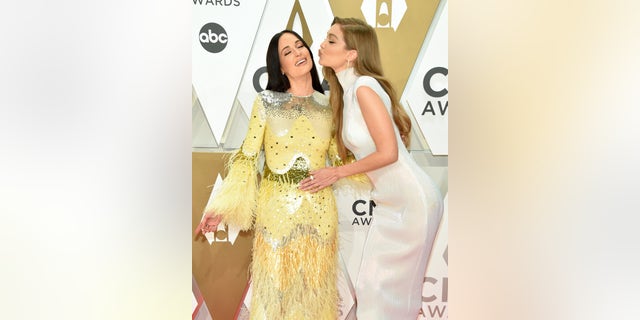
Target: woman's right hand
(320, 179)
(208, 224)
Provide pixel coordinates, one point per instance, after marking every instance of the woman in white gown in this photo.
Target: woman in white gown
(372, 125)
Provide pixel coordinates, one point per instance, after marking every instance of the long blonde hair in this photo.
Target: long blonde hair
(360, 36)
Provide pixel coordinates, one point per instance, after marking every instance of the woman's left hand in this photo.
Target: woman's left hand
(208, 224)
(320, 179)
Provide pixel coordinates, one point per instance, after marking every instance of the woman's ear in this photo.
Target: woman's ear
(352, 55)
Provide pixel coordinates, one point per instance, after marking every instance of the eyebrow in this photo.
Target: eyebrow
(288, 46)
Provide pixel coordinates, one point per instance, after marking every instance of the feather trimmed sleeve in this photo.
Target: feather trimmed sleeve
(237, 198)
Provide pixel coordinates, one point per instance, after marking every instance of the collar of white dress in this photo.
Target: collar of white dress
(346, 78)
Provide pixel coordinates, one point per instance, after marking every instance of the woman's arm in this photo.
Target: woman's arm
(236, 200)
(380, 126)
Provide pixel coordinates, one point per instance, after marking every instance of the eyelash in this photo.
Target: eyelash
(287, 53)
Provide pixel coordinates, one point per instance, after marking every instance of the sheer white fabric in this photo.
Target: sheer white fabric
(406, 217)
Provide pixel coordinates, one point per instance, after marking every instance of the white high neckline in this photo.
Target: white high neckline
(347, 77)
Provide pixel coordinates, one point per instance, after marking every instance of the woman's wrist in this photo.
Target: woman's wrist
(340, 172)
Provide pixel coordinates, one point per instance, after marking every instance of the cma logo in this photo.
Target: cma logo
(223, 235)
(213, 37)
(437, 76)
(364, 211)
(436, 310)
(384, 13)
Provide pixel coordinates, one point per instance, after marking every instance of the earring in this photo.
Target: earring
(348, 64)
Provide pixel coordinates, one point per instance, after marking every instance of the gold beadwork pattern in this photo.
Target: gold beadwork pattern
(297, 173)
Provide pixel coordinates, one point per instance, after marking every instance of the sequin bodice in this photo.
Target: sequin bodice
(297, 130)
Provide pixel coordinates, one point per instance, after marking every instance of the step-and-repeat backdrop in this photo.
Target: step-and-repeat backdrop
(229, 42)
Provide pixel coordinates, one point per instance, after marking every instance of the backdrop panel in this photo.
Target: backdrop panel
(220, 268)
(230, 39)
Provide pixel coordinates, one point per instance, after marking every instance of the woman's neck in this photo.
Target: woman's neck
(346, 77)
(301, 86)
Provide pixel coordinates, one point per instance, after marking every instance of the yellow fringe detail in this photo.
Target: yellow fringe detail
(236, 200)
(296, 280)
(358, 182)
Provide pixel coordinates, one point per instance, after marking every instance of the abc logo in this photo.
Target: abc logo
(213, 37)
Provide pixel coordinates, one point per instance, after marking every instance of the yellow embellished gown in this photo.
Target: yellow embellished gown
(295, 246)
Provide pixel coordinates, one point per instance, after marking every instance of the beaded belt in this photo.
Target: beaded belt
(294, 175)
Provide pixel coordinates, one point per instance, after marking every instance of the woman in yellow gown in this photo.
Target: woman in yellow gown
(294, 259)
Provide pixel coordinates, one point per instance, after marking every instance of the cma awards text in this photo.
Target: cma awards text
(433, 93)
(435, 294)
(225, 3)
(357, 208)
(435, 309)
